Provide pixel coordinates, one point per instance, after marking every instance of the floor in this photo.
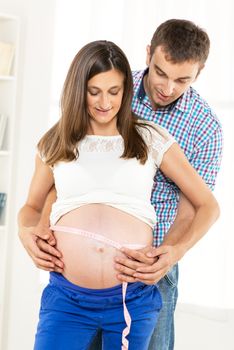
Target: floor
(201, 328)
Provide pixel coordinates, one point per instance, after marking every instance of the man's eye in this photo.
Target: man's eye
(161, 74)
(182, 81)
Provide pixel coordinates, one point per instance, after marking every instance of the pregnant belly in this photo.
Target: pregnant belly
(88, 262)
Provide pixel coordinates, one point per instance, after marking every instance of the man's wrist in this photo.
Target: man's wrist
(44, 222)
(181, 250)
(178, 250)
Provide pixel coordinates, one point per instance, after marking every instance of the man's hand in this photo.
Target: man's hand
(147, 265)
(39, 242)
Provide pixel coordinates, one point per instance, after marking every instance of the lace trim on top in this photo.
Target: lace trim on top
(156, 145)
(95, 143)
(157, 139)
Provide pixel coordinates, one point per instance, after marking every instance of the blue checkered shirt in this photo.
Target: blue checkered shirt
(198, 132)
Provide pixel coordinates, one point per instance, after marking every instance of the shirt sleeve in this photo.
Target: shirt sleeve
(206, 158)
(158, 140)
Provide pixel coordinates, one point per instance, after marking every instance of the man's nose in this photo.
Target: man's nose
(169, 88)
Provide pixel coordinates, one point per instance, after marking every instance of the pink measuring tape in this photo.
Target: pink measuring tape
(116, 245)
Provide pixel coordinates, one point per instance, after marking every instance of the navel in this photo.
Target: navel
(100, 249)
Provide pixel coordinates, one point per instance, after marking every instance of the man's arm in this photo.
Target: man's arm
(183, 220)
(33, 220)
(184, 234)
(171, 253)
(48, 246)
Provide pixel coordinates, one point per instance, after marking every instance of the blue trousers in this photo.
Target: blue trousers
(163, 334)
(71, 316)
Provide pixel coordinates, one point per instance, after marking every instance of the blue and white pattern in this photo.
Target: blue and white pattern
(198, 132)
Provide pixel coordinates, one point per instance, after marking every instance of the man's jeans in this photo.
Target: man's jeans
(163, 336)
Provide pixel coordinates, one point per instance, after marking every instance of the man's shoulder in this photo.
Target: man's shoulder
(197, 98)
(200, 108)
(137, 75)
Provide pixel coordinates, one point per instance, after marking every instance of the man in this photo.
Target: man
(163, 93)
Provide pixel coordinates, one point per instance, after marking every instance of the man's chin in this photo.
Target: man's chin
(161, 104)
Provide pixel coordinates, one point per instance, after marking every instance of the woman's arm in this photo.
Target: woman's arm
(33, 219)
(175, 166)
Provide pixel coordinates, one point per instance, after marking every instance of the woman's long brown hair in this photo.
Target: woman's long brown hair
(60, 142)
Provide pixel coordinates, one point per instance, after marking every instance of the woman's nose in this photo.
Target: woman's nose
(104, 102)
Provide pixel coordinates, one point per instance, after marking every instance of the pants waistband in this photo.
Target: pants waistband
(60, 281)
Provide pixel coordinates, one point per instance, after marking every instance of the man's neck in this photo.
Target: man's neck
(154, 105)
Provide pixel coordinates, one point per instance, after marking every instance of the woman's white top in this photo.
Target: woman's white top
(99, 175)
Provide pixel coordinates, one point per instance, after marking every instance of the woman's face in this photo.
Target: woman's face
(104, 98)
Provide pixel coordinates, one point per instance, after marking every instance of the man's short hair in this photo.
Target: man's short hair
(182, 41)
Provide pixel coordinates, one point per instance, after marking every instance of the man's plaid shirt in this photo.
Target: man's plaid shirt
(198, 132)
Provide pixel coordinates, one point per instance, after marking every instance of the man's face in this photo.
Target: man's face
(167, 81)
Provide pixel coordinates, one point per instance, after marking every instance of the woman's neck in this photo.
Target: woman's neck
(102, 130)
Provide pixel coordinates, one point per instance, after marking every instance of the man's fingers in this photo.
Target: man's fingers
(159, 265)
(125, 278)
(150, 278)
(53, 255)
(58, 269)
(124, 270)
(36, 253)
(44, 246)
(138, 255)
(43, 259)
(154, 252)
(43, 264)
(125, 261)
(51, 240)
(44, 233)
(149, 282)
(46, 265)
(145, 276)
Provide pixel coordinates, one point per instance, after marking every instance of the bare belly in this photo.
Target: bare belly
(87, 262)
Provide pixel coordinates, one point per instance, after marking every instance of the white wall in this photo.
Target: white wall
(36, 38)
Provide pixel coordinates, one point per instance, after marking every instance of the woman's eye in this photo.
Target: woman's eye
(93, 93)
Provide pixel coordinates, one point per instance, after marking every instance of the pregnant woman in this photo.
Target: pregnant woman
(102, 161)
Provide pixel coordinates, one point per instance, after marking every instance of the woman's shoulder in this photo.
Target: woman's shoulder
(157, 138)
(153, 131)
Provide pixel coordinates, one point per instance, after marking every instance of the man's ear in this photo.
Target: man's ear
(199, 70)
(148, 55)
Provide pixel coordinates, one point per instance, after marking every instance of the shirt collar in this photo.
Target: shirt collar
(141, 91)
(181, 104)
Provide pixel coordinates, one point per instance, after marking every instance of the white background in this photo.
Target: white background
(51, 33)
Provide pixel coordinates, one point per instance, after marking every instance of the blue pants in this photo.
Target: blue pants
(163, 334)
(71, 316)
